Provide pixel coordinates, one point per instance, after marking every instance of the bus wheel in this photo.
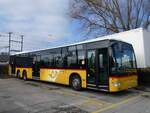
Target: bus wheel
(18, 74)
(24, 75)
(76, 82)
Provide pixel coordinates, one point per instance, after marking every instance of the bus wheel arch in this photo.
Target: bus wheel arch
(24, 75)
(75, 81)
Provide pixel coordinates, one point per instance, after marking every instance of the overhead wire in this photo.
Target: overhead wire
(32, 43)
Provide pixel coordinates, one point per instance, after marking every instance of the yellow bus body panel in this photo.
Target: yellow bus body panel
(28, 70)
(61, 76)
(125, 83)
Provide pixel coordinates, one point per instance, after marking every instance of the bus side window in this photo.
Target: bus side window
(64, 57)
(72, 59)
(81, 59)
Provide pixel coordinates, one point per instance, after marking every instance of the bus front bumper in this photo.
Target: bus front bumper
(122, 83)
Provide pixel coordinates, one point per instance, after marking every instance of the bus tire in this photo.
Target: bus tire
(75, 82)
(18, 74)
(24, 75)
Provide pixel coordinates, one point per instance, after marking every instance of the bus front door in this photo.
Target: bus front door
(102, 67)
(36, 68)
(97, 68)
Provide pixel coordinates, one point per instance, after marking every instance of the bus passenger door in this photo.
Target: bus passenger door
(36, 67)
(102, 65)
(97, 68)
(91, 68)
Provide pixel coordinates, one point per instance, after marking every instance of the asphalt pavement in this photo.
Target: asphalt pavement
(18, 96)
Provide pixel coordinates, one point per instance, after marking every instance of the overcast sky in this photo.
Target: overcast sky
(44, 23)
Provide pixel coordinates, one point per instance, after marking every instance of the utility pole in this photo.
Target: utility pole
(10, 33)
(15, 41)
(22, 42)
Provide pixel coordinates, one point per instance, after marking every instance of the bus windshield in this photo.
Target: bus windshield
(123, 58)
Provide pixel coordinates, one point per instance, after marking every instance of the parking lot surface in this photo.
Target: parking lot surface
(18, 96)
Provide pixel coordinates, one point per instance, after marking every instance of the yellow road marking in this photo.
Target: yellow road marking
(85, 104)
(90, 100)
(99, 102)
(119, 103)
(91, 103)
(72, 94)
(84, 97)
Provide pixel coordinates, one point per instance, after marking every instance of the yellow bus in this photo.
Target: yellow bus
(107, 65)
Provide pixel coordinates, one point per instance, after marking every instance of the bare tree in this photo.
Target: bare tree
(110, 16)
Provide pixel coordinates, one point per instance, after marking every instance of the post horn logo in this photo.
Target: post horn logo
(53, 75)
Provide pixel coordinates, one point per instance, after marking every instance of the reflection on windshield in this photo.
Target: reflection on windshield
(123, 57)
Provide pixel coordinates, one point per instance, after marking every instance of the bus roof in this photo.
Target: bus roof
(108, 37)
(83, 42)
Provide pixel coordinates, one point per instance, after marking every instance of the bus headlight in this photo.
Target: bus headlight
(116, 84)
